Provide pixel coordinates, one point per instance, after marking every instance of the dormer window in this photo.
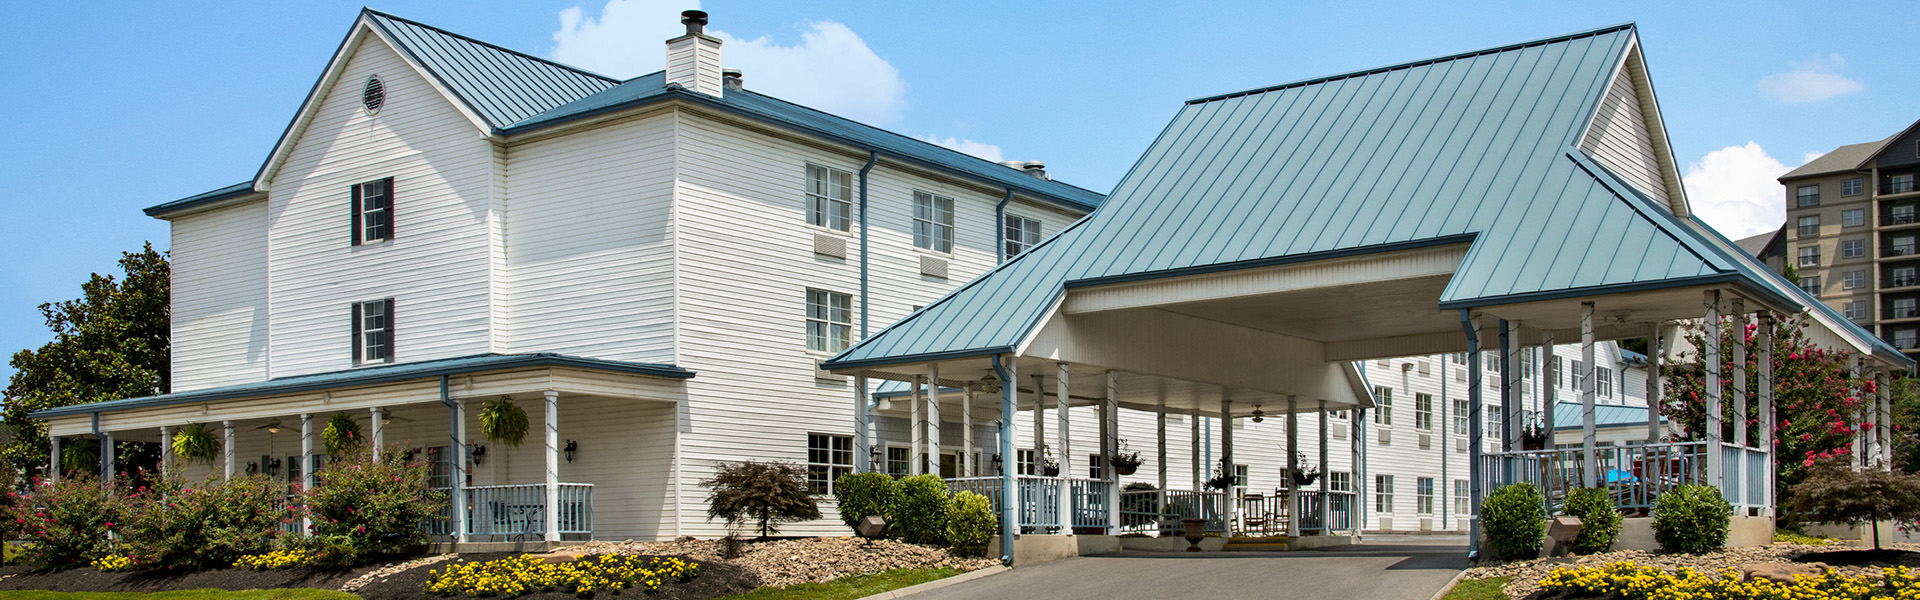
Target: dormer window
(372, 211)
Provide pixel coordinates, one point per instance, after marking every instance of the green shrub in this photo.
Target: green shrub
(207, 526)
(376, 506)
(1599, 519)
(1691, 519)
(920, 517)
(1515, 518)
(67, 522)
(863, 495)
(971, 524)
(767, 493)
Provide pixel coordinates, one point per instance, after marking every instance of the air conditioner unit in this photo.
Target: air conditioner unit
(827, 244)
(1426, 440)
(1425, 369)
(933, 266)
(1386, 437)
(1426, 523)
(1460, 445)
(1339, 432)
(819, 373)
(1385, 522)
(1459, 374)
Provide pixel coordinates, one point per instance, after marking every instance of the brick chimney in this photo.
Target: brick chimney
(693, 60)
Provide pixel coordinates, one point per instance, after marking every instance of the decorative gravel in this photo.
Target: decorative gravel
(781, 563)
(1528, 573)
(356, 583)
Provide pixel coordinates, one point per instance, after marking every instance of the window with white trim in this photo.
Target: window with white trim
(1029, 463)
(1461, 503)
(1340, 481)
(1383, 413)
(1460, 413)
(932, 222)
(1423, 495)
(1856, 310)
(1603, 381)
(829, 320)
(373, 332)
(1021, 233)
(1811, 285)
(829, 198)
(1423, 412)
(828, 457)
(1383, 494)
(897, 461)
(372, 211)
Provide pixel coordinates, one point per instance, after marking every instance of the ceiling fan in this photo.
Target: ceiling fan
(272, 426)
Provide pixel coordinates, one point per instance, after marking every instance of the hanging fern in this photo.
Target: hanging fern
(196, 444)
(503, 421)
(342, 435)
(80, 455)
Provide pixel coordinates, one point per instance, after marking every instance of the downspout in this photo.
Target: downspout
(863, 418)
(1000, 226)
(1474, 423)
(1009, 487)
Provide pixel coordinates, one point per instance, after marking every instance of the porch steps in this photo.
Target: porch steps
(1277, 543)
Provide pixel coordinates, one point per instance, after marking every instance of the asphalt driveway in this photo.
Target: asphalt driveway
(1385, 569)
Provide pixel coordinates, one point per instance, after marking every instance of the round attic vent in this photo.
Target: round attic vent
(374, 96)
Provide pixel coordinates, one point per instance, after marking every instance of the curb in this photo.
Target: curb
(1457, 577)
(938, 583)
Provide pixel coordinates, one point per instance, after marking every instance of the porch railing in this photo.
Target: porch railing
(519, 511)
(1039, 499)
(1339, 511)
(1150, 511)
(1634, 475)
(1261, 514)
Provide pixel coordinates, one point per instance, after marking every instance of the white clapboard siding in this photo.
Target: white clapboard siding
(436, 267)
(1618, 136)
(219, 295)
(591, 255)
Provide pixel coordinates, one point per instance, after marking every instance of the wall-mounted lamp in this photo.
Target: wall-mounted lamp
(571, 447)
(997, 461)
(479, 450)
(886, 404)
(877, 454)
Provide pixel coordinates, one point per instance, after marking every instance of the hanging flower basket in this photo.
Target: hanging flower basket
(504, 422)
(1124, 462)
(342, 435)
(195, 444)
(1048, 466)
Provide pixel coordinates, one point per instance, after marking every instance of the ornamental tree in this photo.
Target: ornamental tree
(1834, 493)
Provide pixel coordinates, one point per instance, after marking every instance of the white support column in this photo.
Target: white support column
(1739, 397)
(862, 427)
(968, 467)
(916, 425)
(933, 419)
(552, 421)
(1549, 398)
(1200, 465)
(1883, 431)
(1859, 457)
(462, 475)
(1160, 439)
(166, 451)
(1655, 352)
(1293, 466)
(306, 467)
(53, 459)
(1062, 430)
(1589, 444)
(1226, 460)
(1767, 419)
(379, 429)
(1515, 422)
(1039, 424)
(226, 447)
(107, 465)
(1110, 436)
(1326, 469)
(1711, 354)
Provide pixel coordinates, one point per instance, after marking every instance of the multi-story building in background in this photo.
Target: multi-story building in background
(1852, 234)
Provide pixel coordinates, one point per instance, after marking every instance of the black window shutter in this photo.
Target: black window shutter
(388, 216)
(354, 219)
(355, 342)
(390, 336)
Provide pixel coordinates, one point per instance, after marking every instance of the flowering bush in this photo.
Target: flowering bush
(1627, 581)
(177, 526)
(67, 521)
(374, 507)
(589, 575)
(275, 560)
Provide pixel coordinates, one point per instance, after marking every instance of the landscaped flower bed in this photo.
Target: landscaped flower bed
(586, 576)
(1629, 581)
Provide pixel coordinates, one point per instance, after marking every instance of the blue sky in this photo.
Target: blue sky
(112, 108)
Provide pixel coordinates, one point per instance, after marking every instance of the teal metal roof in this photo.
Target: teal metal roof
(372, 375)
(201, 199)
(1566, 415)
(503, 86)
(889, 388)
(1479, 147)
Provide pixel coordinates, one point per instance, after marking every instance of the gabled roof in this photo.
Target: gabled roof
(372, 375)
(238, 190)
(1472, 148)
(504, 86)
(1756, 246)
(1844, 159)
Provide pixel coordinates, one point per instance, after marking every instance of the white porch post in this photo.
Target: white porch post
(1715, 455)
(1110, 437)
(1514, 421)
(552, 510)
(933, 419)
(1062, 425)
(106, 459)
(1744, 467)
(1293, 466)
(1326, 470)
(1589, 444)
(379, 429)
(1767, 420)
(1193, 439)
(1226, 459)
(1883, 431)
(862, 425)
(917, 426)
(166, 450)
(1655, 352)
(53, 458)
(967, 467)
(1039, 424)
(226, 447)
(462, 458)
(1010, 497)
(1549, 399)
(1160, 438)
(306, 467)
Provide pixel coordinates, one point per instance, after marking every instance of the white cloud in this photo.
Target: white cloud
(980, 149)
(1808, 157)
(1735, 189)
(1810, 81)
(830, 69)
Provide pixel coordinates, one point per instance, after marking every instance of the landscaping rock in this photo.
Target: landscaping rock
(1781, 572)
(787, 562)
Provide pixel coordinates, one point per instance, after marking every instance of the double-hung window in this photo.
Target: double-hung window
(897, 457)
(1811, 285)
(1809, 226)
(932, 222)
(1461, 408)
(1807, 195)
(829, 320)
(373, 332)
(1423, 412)
(1383, 494)
(1810, 256)
(1850, 187)
(829, 198)
(1855, 310)
(1853, 217)
(828, 457)
(1423, 495)
(1603, 381)
(1461, 503)
(372, 211)
(1853, 248)
(1021, 233)
(1340, 481)
(1383, 413)
(1852, 280)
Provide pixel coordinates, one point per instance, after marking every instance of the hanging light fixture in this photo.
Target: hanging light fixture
(990, 384)
(1259, 415)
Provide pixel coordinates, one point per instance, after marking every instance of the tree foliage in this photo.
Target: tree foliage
(1834, 493)
(108, 344)
(1691, 519)
(1515, 517)
(766, 493)
(1599, 519)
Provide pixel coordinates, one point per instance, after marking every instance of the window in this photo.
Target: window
(1460, 410)
(1579, 372)
(1383, 414)
(373, 332)
(1491, 361)
(1383, 494)
(897, 461)
(1853, 280)
(1021, 233)
(1902, 214)
(1810, 226)
(829, 198)
(1239, 476)
(1559, 376)
(1903, 308)
(1460, 500)
(1028, 464)
(1850, 187)
(1340, 481)
(1603, 381)
(1423, 412)
(828, 457)
(1856, 310)
(932, 222)
(829, 320)
(1096, 467)
(373, 211)
(1906, 338)
(1899, 184)
(1458, 358)
(1810, 256)
(1901, 246)
(1526, 364)
(1810, 284)
(1853, 248)
(1490, 429)
(1807, 195)
(1423, 495)
(1903, 277)
(1853, 217)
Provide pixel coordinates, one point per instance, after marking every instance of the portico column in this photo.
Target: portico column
(552, 420)
(1715, 455)
(916, 425)
(457, 414)
(106, 459)
(1293, 466)
(1193, 439)
(1549, 396)
(933, 419)
(1039, 424)
(1226, 459)
(1655, 352)
(1326, 469)
(1110, 426)
(1883, 430)
(379, 429)
(166, 450)
(1062, 425)
(1767, 419)
(1010, 497)
(862, 426)
(53, 458)
(226, 447)
(1589, 444)
(1160, 445)
(306, 467)
(1513, 422)
(1476, 473)
(966, 467)
(1740, 376)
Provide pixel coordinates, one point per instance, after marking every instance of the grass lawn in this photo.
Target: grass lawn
(849, 588)
(287, 594)
(1479, 589)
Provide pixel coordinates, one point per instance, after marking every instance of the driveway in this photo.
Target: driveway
(1387, 569)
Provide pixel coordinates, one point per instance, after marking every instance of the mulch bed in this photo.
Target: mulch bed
(715, 580)
(1860, 558)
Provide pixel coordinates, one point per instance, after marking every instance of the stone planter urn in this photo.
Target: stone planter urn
(1193, 533)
